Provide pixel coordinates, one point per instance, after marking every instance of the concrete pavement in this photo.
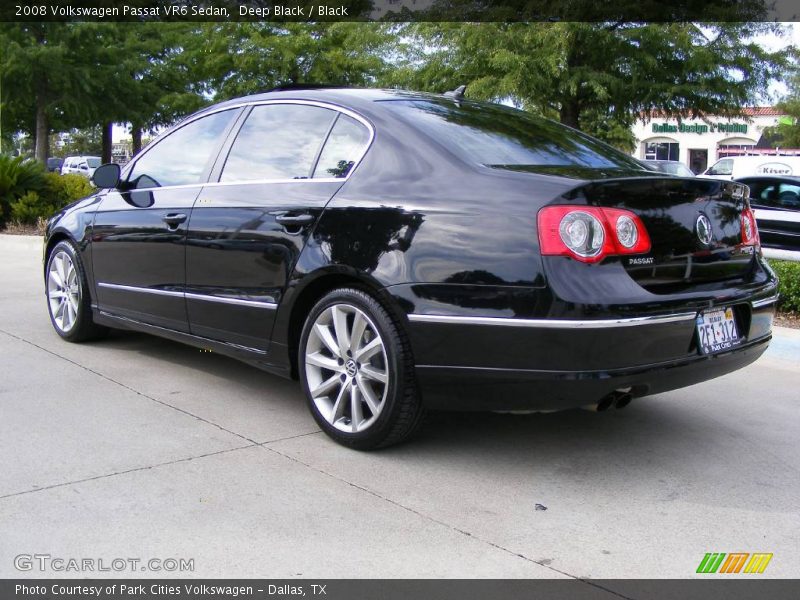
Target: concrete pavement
(139, 447)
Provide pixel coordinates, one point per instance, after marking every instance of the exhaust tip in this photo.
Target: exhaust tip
(605, 403)
(623, 400)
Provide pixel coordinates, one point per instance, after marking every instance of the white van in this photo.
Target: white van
(82, 165)
(744, 166)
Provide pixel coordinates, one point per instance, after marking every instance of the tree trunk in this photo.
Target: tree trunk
(41, 143)
(136, 139)
(107, 130)
(42, 134)
(570, 113)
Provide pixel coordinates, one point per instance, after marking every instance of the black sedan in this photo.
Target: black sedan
(776, 205)
(399, 252)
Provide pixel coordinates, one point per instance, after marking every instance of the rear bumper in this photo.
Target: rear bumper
(472, 362)
(474, 388)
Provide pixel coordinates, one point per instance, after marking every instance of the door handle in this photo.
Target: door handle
(173, 219)
(294, 220)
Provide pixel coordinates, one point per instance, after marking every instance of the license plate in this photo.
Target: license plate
(716, 331)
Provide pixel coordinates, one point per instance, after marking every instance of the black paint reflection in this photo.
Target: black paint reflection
(360, 237)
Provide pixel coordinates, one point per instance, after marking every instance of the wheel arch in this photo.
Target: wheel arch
(301, 298)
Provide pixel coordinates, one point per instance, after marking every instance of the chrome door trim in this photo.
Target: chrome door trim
(191, 295)
(224, 300)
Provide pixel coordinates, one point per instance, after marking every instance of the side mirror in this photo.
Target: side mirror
(106, 176)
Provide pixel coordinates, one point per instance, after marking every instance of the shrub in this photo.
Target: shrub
(30, 207)
(18, 176)
(63, 189)
(54, 194)
(789, 275)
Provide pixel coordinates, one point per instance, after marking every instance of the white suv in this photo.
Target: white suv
(82, 165)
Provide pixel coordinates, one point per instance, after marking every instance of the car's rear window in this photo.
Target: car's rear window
(93, 162)
(495, 135)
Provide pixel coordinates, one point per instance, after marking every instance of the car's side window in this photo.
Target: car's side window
(756, 189)
(181, 157)
(722, 167)
(789, 196)
(767, 195)
(345, 144)
(278, 141)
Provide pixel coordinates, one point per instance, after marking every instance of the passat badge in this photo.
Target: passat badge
(703, 229)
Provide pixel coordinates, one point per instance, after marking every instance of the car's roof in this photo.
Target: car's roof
(356, 98)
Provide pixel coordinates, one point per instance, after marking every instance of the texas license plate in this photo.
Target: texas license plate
(716, 331)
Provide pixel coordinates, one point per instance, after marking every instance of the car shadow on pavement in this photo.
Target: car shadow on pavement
(662, 431)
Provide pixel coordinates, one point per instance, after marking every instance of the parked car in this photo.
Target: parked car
(776, 206)
(82, 165)
(398, 251)
(673, 167)
(735, 167)
(54, 164)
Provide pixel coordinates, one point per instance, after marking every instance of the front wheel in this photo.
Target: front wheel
(68, 300)
(357, 372)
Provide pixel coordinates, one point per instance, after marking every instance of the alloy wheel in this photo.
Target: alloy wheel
(63, 291)
(346, 368)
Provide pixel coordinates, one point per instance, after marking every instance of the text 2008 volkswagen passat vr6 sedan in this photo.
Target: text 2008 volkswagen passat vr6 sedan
(399, 251)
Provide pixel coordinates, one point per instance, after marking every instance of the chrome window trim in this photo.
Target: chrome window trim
(238, 105)
(554, 323)
(190, 295)
(765, 301)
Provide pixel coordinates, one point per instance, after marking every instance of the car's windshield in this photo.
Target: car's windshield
(495, 135)
(93, 162)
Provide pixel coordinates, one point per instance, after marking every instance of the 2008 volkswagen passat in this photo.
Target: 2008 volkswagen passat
(398, 252)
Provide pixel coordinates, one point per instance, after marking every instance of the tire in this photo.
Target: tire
(69, 304)
(362, 392)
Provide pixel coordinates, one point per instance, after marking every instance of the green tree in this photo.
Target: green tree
(246, 58)
(60, 72)
(163, 84)
(598, 77)
(787, 133)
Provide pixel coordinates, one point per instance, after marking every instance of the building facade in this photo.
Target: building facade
(699, 143)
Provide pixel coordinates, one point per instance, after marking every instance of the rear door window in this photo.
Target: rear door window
(278, 141)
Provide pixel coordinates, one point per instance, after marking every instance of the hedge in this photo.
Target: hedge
(28, 193)
(789, 275)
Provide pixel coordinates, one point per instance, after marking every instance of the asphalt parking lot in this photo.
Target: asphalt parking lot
(139, 447)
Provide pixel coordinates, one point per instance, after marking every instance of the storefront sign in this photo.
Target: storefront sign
(700, 128)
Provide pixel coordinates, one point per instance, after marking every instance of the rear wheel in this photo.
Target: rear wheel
(357, 372)
(68, 300)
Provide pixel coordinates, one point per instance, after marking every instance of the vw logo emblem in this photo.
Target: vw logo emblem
(703, 229)
(351, 368)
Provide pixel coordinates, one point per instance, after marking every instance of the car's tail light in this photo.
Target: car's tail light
(749, 228)
(589, 234)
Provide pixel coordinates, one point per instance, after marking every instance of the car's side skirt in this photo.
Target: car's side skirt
(252, 356)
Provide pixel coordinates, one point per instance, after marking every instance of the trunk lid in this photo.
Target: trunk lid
(695, 226)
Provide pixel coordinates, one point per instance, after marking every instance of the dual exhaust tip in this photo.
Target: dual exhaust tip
(617, 399)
